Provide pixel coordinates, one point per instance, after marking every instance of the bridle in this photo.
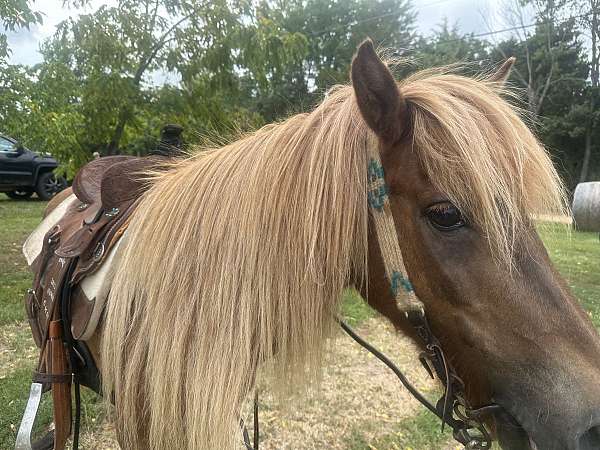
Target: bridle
(452, 408)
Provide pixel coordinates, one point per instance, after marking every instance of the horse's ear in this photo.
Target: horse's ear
(379, 99)
(503, 71)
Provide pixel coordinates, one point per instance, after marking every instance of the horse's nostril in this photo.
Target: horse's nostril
(590, 439)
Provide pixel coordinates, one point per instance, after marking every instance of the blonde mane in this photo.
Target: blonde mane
(239, 255)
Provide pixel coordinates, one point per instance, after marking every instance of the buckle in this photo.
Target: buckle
(481, 441)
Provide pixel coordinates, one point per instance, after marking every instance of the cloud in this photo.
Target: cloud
(25, 43)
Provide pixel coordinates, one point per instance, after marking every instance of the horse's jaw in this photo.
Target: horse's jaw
(510, 433)
(515, 438)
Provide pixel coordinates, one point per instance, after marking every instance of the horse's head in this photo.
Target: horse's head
(464, 175)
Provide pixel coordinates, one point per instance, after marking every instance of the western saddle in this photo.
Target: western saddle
(107, 191)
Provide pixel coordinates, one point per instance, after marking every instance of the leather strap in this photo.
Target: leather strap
(61, 392)
(52, 378)
(383, 219)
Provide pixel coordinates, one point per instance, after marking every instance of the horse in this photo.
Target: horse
(234, 263)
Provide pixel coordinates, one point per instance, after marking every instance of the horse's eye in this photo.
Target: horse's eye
(445, 216)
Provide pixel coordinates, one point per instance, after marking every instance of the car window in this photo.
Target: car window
(6, 145)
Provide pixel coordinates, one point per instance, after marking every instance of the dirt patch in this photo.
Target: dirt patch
(357, 393)
(102, 438)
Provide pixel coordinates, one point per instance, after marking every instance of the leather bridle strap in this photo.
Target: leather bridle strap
(453, 403)
(383, 220)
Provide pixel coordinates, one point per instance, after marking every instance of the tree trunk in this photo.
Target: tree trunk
(585, 164)
(587, 153)
(113, 146)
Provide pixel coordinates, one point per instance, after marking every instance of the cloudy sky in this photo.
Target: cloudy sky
(477, 16)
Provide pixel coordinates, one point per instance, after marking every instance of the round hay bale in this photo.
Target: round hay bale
(586, 206)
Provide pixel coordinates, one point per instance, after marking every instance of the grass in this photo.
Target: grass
(576, 255)
(17, 219)
(354, 309)
(422, 431)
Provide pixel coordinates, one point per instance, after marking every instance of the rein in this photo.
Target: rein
(452, 408)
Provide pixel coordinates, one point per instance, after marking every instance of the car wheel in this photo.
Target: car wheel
(20, 194)
(48, 185)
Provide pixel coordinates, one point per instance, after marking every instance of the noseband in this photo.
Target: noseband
(452, 408)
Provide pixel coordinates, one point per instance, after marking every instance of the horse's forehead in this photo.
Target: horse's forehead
(404, 172)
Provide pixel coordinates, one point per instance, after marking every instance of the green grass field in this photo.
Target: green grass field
(576, 254)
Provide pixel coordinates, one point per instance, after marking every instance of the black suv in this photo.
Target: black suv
(23, 172)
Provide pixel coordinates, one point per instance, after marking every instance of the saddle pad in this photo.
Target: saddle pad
(92, 292)
(89, 296)
(33, 245)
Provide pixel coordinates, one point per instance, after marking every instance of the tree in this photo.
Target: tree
(112, 50)
(552, 71)
(535, 51)
(321, 37)
(448, 46)
(239, 63)
(582, 15)
(590, 23)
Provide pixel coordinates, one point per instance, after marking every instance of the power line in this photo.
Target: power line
(426, 5)
(370, 19)
(471, 35)
(520, 27)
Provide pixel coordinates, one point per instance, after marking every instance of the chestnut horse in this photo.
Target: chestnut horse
(237, 257)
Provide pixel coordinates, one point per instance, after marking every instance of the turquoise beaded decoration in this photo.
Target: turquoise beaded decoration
(377, 188)
(399, 281)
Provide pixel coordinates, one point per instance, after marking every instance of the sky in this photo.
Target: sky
(471, 16)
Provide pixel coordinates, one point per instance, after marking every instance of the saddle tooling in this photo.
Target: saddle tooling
(60, 315)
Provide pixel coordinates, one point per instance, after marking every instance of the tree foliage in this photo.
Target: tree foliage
(111, 78)
(448, 46)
